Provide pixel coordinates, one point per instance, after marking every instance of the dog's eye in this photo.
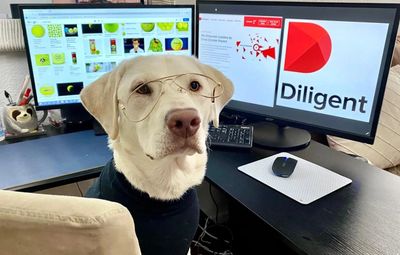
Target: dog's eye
(29, 110)
(195, 86)
(144, 89)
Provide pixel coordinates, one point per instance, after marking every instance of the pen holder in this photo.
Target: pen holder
(20, 119)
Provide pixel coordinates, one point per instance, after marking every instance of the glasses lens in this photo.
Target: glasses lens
(199, 85)
(142, 101)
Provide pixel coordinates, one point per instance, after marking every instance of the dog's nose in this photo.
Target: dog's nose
(183, 123)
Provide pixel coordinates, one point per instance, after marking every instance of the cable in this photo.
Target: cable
(79, 188)
(227, 252)
(215, 203)
(205, 231)
(216, 217)
(206, 240)
(213, 239)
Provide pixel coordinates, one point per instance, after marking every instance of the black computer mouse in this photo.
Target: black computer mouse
(284, 166)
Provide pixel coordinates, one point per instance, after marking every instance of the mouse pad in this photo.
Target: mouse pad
(307, 183)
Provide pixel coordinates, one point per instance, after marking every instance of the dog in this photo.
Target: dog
(156, 111)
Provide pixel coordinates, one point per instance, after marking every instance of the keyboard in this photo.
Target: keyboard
(235, 136)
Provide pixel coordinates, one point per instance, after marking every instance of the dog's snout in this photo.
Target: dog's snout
(183, 123)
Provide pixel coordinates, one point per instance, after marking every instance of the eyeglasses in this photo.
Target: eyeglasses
(143, 99)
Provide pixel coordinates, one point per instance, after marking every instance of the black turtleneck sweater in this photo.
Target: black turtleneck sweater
(162, 227)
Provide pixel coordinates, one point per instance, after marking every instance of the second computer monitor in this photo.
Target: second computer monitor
(316, 66)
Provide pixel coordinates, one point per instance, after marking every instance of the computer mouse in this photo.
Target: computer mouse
(284, 166)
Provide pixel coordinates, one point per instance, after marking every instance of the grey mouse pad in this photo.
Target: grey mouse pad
(307, 183)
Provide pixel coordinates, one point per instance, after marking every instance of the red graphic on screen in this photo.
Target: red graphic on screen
(269, 52)
(308, 48)
(258, 47)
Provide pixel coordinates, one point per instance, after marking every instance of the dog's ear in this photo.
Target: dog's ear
(100, 100)
(221, 101)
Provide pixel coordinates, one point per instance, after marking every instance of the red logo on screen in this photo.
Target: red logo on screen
(308, 48)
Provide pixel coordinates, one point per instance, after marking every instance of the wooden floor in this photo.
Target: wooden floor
(77, 189)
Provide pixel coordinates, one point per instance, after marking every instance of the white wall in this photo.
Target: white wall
(5, 4)
(13, 65)
(13, 68)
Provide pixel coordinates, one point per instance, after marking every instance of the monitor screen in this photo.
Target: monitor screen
(318, 66)
(69, 46)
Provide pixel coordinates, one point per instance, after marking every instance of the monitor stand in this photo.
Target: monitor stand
(280, 138)
(76, 118)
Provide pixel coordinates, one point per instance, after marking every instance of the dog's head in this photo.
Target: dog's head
(163, 104)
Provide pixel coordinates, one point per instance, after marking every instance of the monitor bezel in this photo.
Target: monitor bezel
(87, 6)
(309, 126)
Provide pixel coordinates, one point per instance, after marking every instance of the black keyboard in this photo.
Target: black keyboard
(236, 136)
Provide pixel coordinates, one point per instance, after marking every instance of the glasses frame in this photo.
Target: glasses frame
(163, 80)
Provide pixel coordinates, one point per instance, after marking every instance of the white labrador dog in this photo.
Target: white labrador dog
(156, 111)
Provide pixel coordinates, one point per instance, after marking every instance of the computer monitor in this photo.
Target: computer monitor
(70, 46)
(317, 66)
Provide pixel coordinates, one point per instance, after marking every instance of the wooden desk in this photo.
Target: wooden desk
(361, 218)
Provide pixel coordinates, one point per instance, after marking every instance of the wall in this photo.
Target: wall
(5, 4)
(13, 65)
(13, 68)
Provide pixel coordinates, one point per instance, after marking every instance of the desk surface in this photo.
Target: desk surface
(36, 164)
(361, 218)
